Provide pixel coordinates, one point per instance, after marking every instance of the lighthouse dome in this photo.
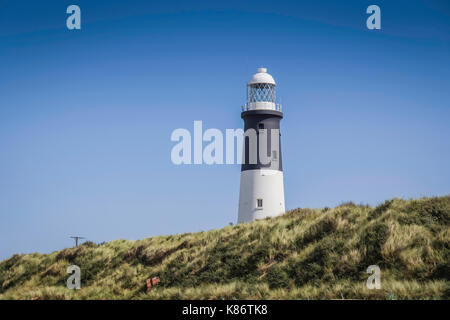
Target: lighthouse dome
(261, 91)
(262, 77)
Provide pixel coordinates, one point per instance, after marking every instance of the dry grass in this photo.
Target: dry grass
(304, 254)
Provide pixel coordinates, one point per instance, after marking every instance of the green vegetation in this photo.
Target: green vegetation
(304, 254)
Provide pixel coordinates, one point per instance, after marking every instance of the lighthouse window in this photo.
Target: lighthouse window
(274, 155)
(260, 125)
(264, 92)
(259, 203)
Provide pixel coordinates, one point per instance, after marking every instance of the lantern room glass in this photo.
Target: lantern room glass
(262, 92)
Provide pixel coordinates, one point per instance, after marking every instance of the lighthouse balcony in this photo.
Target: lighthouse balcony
(262, 105)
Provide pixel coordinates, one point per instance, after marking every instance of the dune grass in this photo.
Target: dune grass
(303, 254)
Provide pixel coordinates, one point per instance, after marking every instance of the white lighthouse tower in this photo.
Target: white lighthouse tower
(261, 190)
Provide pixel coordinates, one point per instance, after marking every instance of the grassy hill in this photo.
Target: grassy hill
(304, 254)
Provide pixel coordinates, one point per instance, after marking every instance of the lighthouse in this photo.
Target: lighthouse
(261, 187)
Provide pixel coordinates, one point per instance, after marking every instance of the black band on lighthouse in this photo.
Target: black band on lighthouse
(258, 120)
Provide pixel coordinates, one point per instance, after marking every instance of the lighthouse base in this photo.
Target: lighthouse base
(261, 194)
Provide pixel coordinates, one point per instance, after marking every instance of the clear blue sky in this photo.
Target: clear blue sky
(86, 116)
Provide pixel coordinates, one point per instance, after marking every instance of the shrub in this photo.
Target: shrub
(316, 232)
(379, 210)
(89, 244)
(277, 277)
(430, 211)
